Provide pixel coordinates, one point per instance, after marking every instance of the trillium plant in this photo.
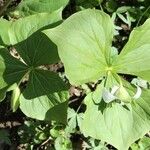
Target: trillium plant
(117, 111)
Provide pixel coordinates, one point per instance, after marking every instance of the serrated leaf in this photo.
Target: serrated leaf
(72, 121)
(84, 43)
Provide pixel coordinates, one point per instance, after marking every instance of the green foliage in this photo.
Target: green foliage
(30, 7)
(91, 59)
(19, 30)
(116, 123)
(143, 144)
(32, 133)
(84, 4)
(136, 51)
(45, 94)
(4, 137)
(86, 57)
(117, 111)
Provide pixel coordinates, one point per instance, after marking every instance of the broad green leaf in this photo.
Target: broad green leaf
(29, 7)
(45, 97)
(134, 59)
(38, 50)
(45, 90)
(16, 31)
(47, 107)
(84, 45)
(11, 69)
(118, 125)
(4, 26)
(43, 82)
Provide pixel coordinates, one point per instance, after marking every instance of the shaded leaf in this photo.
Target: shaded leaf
(43, 82)
(29, 7)
(37, 50)
(11, 69)
(4, 137)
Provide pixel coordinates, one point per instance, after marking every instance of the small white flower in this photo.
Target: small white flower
(140, 82)
(108, 96)
(138, 93)
(120, 93)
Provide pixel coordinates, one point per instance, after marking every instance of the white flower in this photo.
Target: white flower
(120, 93)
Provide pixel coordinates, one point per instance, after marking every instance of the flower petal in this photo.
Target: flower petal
(108, 96)
(138, 93)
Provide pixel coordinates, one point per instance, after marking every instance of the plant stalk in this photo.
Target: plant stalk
(6, 4)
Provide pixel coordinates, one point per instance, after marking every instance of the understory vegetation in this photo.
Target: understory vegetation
(74, 75)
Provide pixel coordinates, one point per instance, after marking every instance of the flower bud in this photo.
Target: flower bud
(123, 95)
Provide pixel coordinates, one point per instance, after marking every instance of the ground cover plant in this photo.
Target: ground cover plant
(77, 72)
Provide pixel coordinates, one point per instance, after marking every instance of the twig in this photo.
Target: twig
(45, 142)
(142, 16)
(7, 3)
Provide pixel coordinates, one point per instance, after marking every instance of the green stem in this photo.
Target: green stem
(117, 77)
(7, 3)
(78, 108)
(101, 7)
(142, 16)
